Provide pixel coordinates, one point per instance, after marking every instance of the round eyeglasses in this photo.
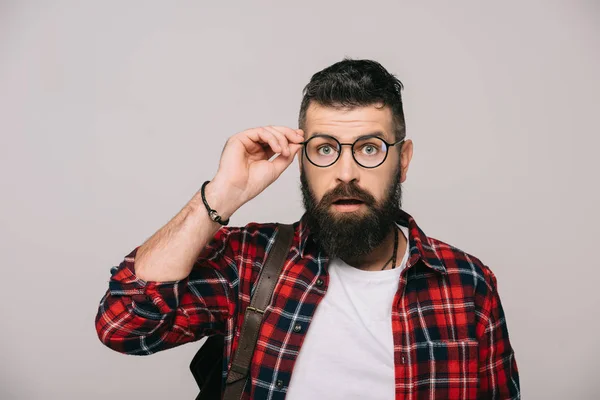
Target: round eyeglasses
(368, 151)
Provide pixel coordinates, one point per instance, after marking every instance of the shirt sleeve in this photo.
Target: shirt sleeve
(143, 317)
(498, 373)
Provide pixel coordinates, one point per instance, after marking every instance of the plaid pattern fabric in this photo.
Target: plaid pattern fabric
(450, 334)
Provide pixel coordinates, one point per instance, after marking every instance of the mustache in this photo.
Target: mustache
(347, 190)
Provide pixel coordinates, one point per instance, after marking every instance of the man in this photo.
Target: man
(366, 307)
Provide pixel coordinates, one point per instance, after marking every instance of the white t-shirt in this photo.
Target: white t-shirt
(348, 351)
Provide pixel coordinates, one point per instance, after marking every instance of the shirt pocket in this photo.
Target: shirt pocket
(447, 369)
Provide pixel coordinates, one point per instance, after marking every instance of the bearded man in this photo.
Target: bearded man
(366, 306)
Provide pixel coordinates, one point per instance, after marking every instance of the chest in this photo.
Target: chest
(421, 327)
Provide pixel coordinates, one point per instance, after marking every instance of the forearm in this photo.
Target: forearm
(170, 253)
(143, 318)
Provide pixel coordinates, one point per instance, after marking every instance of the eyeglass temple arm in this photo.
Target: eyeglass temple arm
(396, 142)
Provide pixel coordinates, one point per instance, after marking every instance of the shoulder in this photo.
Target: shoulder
(254, 238)
(250, 245)
(464, 267)
(260, 232)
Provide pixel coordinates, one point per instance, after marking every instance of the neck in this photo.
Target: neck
(375, 260)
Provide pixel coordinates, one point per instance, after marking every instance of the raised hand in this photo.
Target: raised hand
(246, 167)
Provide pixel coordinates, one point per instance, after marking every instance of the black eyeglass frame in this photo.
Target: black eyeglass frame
(387, 149)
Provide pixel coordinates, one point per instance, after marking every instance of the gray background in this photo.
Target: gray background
(113, 114)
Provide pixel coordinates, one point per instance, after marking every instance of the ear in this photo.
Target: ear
(405, 157)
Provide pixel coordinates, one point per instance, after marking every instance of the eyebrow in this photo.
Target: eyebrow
(378, 134)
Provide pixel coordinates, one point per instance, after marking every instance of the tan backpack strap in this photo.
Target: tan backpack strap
(240, 366)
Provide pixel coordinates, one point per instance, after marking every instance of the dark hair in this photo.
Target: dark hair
(355, 83)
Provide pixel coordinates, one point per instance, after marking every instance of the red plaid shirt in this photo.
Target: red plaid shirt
(450, 334)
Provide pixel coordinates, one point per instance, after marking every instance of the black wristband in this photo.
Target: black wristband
(211, 213)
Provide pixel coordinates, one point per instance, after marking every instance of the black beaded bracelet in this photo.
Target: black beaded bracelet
(212, 213)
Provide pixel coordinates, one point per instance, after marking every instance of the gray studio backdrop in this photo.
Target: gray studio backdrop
(112, 114)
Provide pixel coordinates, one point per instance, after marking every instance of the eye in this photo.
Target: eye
(325, 150)
(369, 149)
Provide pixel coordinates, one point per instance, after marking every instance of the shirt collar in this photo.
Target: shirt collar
(420, 247)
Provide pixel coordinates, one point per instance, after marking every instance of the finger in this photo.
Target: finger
(282, 162)
(273, 141)
(281, 137)
(268, 151)
(293, 135)
(260, 136)
(295, 149)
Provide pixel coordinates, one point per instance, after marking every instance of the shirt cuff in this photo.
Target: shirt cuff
(150, 299)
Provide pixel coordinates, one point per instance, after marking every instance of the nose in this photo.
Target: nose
(347, 169)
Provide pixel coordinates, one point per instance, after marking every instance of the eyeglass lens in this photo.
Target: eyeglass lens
(324, 151)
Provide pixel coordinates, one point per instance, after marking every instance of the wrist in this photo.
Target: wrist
(220, 199)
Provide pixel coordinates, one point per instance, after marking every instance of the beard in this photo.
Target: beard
(351, 235)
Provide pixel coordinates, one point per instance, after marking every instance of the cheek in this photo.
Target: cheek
(377, 190)
(318, 188)
(312, 181)
(378, 185)
(320, 181)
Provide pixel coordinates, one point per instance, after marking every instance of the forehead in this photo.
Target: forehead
(348, 122)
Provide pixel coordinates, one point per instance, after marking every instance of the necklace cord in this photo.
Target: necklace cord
(393, 257)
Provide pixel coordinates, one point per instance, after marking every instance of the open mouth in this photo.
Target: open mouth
(348, 202)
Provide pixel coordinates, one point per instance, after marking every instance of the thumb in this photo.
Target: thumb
(282, 162)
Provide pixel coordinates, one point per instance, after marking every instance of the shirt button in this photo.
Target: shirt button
(279, 383)
(319, 282)
(297, 328)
